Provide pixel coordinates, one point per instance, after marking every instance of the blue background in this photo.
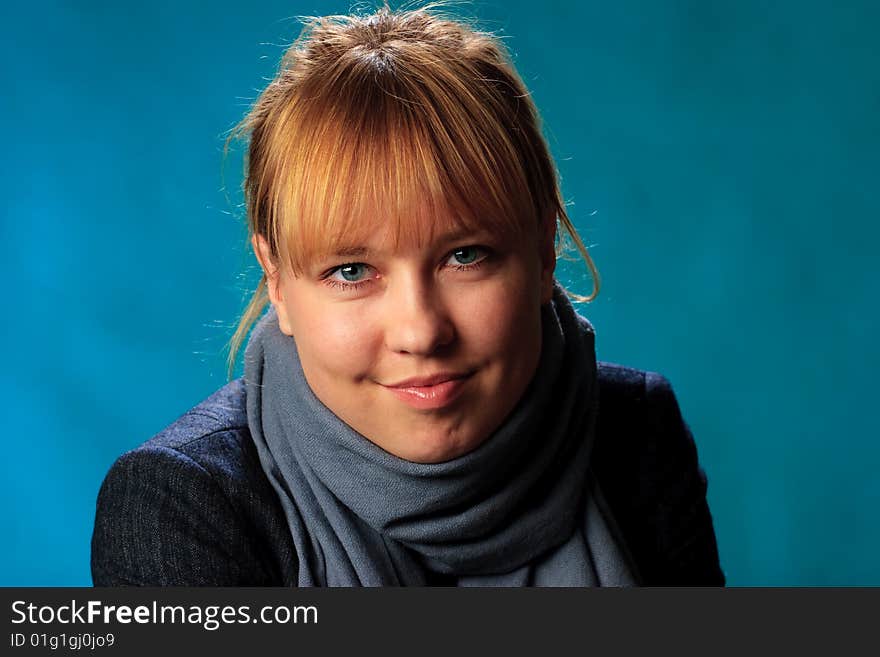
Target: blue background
(721, 158)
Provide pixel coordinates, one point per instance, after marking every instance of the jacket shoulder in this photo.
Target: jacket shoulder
(646, 461)
(223, 411)
(191, 506)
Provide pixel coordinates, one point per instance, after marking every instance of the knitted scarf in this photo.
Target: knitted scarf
(522, 509)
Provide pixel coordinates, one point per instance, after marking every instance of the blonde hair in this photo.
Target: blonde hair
(392, 115)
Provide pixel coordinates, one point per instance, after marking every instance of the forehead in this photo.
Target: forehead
(402, 230)
(372, 232)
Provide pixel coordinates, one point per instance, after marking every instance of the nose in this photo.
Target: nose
(417, 319)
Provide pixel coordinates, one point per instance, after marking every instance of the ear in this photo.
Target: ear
(273, 281)
(270, 270)
(548, 258)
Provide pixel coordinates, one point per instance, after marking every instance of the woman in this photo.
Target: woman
(421, 404)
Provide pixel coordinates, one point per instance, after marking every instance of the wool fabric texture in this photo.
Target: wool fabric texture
(522, 509)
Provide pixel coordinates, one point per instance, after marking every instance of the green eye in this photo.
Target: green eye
(465, 256)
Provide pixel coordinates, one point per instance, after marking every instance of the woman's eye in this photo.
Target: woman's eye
(466, 256)
(353, 272)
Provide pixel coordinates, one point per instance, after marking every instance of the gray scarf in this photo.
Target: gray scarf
(522, 509)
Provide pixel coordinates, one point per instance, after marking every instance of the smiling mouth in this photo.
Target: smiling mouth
(430, 393)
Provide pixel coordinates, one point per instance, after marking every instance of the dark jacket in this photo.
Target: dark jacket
(193, 507)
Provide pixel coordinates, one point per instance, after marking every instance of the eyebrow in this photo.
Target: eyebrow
(351, 251)
(453, 236)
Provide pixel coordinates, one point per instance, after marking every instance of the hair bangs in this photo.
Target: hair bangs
(373, 159)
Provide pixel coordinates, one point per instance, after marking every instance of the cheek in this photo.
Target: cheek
(504, 319)
(333, 340)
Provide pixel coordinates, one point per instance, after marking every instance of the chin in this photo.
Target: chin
(437, 449)
(432, 458)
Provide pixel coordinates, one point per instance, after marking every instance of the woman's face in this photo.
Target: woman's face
(423, 348)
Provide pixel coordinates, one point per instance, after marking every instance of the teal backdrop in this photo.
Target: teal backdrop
(721, 158)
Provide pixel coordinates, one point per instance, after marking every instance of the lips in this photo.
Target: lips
(431, 392)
